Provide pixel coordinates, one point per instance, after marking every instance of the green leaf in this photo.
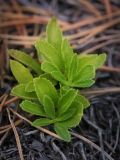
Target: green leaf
(19, 91)
(49, 52)
(30, 87)
(53, 70)
(49, 67)
(83, 84)
(49, 77)
(68, 114)
(63, 89)
(42, 122)
(59, 77)
(86, 73)
(45, 87)
(76, 118)
(62, 132)
(49, 106)
(100, 60)
(21, 73)
(25, 59)
(83, 100)
(72, 68)
(33, 108)
(66, 100)
(93, 59)
(67, 51)
(54, 34)
(67, 54)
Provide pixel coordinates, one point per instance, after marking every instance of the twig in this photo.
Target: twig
(11, 100)
(100, 45)
(110, 69)
(90, 7)
(3, 102)
(90, 20)
(2, 96)
(16, 136)
(40, 128)
(3, 137)
(107, 6)
(101, 91)
(57, 149)
(30, 19)
(118, 128)
(92, 144)
(82, 151)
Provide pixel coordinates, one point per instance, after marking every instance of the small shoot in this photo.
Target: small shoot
(50, 90)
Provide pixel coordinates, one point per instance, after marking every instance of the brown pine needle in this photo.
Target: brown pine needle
(3, 102)
(110, 69)
(100, 91)
(16, 136)
(92, 144)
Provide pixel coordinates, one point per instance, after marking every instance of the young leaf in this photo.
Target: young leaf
(86, 73)
(67, 54)
(75, 119)
(49, 77)
(30, 87)
(66, 100)
(93, 59)
(45, 87)
(72, 68)
(25, 59)
(58, 76)
(49, 67)
(63, 90)
(83, 100)
(21, 73)
(49, 52)
(68, 114)
(62, 132)
(19, 91)
(100, 60)
(33, 108)
(49, 106)
(67, 51)
(54, 34)
(42, 122)
(53, 70)
(83, 84)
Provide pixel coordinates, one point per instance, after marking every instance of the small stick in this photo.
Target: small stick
(3, 138)
(11, 100)
(90, 20)
(9, 126)
(101, 45)
(2, 96)
(118, 128)
(16, 136)
(108, 7)
(40, 128)
(101, 91)
(3, 102)
(92, 144)
(110, 69)
(90, 7)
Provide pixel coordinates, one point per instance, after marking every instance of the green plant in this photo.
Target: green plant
(49, 89)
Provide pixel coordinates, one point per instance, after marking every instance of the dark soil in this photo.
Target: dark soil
(101, 122)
